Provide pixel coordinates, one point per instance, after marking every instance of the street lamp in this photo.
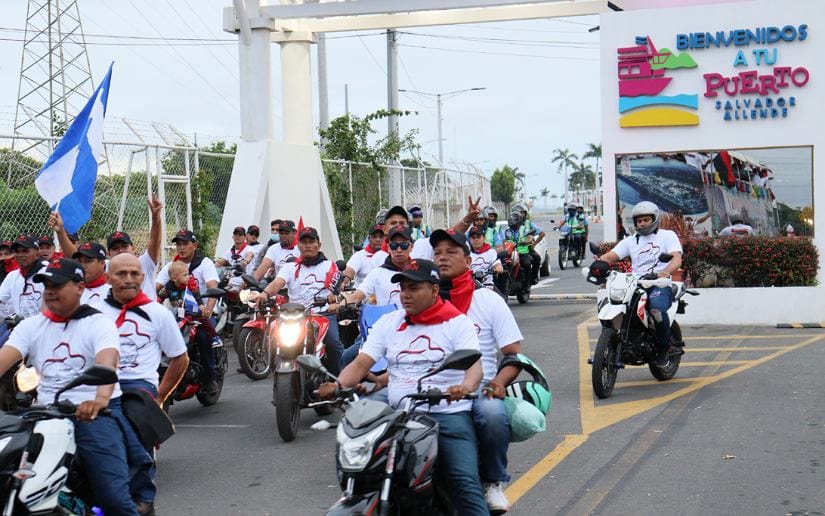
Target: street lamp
(438, 97)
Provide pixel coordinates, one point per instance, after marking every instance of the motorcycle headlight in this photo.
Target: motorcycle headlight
(289, 333)
(617, 294)
(354, 452)
(244, 295)
(26, 379)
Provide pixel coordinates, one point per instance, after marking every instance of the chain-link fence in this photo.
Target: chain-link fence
(359, 190)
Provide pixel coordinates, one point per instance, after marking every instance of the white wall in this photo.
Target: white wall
(803, 126)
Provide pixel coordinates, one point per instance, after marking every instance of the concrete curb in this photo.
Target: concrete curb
(577, 297)
(801, 325)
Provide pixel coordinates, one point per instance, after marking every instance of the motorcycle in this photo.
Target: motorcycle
(490, 280)
(298, 331)
(628, 328)
(386, 459)
(517, 282)
(191, 383)
(230, 308)
(40, 472)
(570, 247)
(254, 351)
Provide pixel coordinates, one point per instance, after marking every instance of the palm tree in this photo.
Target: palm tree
(595, 151)
(520, 177)
(544, 193)
(564, 158)
(582, 177)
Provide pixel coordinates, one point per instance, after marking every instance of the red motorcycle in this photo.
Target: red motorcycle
(515, 281)
(191, 383)
(253, 345)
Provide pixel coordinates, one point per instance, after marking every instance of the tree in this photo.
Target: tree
(520, 177)
(565, 159)
(503, 185)
(583, 177)
(595, 151)
(545, 192)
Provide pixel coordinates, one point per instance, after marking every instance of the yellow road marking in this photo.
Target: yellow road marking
(642, 383)
(743, 348)
(735, 337)
(715, 363)
(532, 477)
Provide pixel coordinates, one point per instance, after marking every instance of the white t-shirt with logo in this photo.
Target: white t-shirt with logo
(59, 352)
(644, 253)
(20, 295)
(255, 248)
(737, 230)
(279, 255)
(203, 273)
(142, 341)
(422, 250)
(416, 349)
(483, 261)
(94, 296)
(378, 284)
(362, 264)
(306, 282)
(495, 325)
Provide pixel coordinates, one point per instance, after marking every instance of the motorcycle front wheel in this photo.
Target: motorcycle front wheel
(562, 256)
(254, 354)
(604, 363)
(664, 374)
(287, 410)
(575, 254)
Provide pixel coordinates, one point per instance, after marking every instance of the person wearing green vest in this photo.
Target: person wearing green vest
(579, 227)
(525, 234)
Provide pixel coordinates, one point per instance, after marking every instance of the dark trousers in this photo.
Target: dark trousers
(334, 348)
(206, 355)
(142, 485)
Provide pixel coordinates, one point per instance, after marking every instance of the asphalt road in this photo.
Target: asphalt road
(738, 431)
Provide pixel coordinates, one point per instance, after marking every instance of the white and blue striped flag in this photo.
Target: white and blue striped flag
(67, 180)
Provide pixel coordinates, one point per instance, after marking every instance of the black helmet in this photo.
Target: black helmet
(515, 219)
(521, 209)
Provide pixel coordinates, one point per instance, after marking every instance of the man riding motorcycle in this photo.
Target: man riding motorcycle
(492, 236)
(576, 220)
(414, 341)
(523, 232)
(644, 249)
(19, 295)
(278, 254)
(417, 227)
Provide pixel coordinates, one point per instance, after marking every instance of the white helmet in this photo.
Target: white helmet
(646, 208)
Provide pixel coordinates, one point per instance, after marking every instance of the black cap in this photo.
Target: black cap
(59, 271)
(286, 225)
(239, 230)
(456, 237)
(476, 231)
(403, 231)
(28, 241)
(308, 232)
(118, 236)
(184, 235)
(253, 230)
(376, 228)
(418, 270)
(45, 240)
(397, 210)
(90, 250)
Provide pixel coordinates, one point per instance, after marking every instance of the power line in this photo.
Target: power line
(501, 53)
(510, 41)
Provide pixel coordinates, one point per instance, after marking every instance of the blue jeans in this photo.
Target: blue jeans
(458, 462)
(142, 485)
(493, 428)
(351, 352)
(101, 444)
(334, 348)
(659, 301)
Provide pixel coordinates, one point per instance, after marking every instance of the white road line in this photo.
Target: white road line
(545, 283)
(211, 426)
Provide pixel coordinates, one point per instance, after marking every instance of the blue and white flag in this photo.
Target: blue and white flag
(190, 304)
(67, 180)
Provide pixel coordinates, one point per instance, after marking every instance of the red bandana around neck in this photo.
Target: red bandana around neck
(96, 283)
(484, 248)
(11, 265)
(53, 317)
(385, 246)
(461, 291)
(139, 300)
(371, 250)
(439, 312)
(238, 250)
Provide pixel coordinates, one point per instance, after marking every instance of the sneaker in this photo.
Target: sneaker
(494, 496)
(211, 387)
(662, 359)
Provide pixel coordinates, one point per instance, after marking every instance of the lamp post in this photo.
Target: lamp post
(438, 98)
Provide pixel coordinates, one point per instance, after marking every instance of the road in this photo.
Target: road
(739, 430)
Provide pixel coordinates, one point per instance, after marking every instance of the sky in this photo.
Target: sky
(541, 79)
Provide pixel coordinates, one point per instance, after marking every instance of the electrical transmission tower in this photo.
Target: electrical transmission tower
(55, 76)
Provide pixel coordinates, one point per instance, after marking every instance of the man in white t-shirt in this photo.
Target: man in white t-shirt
(360, 263)
(483, 256)
(644, 249)
(92, 256)
(19, 294)
(737, 226)
(414, 341)
(240, 254)
(307, 279)
(146, 329)
(278, 254)
(62, 342)
(203, 275)
(497, 332)
(253, 232)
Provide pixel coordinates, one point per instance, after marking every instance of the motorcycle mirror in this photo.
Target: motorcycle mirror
(460, 360)
(95, 375)
(595, 249)
(503, 255)
(251, 281)
(479, 275)
(552, 221)
(665, 257)
(213, 292)
(585, 271)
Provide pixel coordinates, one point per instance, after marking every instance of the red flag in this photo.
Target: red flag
(300, 223)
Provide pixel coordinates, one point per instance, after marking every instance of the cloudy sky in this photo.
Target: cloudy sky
(541, 79)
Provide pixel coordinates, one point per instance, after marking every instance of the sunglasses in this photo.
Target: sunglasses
(403, 245)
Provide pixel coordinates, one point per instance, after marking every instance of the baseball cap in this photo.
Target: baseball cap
(239, 230)
(397, 210)
(476, 231)
(404, 231)
(308, 232)
(254, 230)
(28, 241)
(118, 236)
(418, 270)
(286, 225)
(90, 250)
(376, 228)
(6, 243)
(184, 235)
(60, 271)
(45, 240)
(452, 235)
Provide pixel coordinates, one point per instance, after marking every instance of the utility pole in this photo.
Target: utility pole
(346, 99)
(323, 94)
(440, 139)
(395, 173)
